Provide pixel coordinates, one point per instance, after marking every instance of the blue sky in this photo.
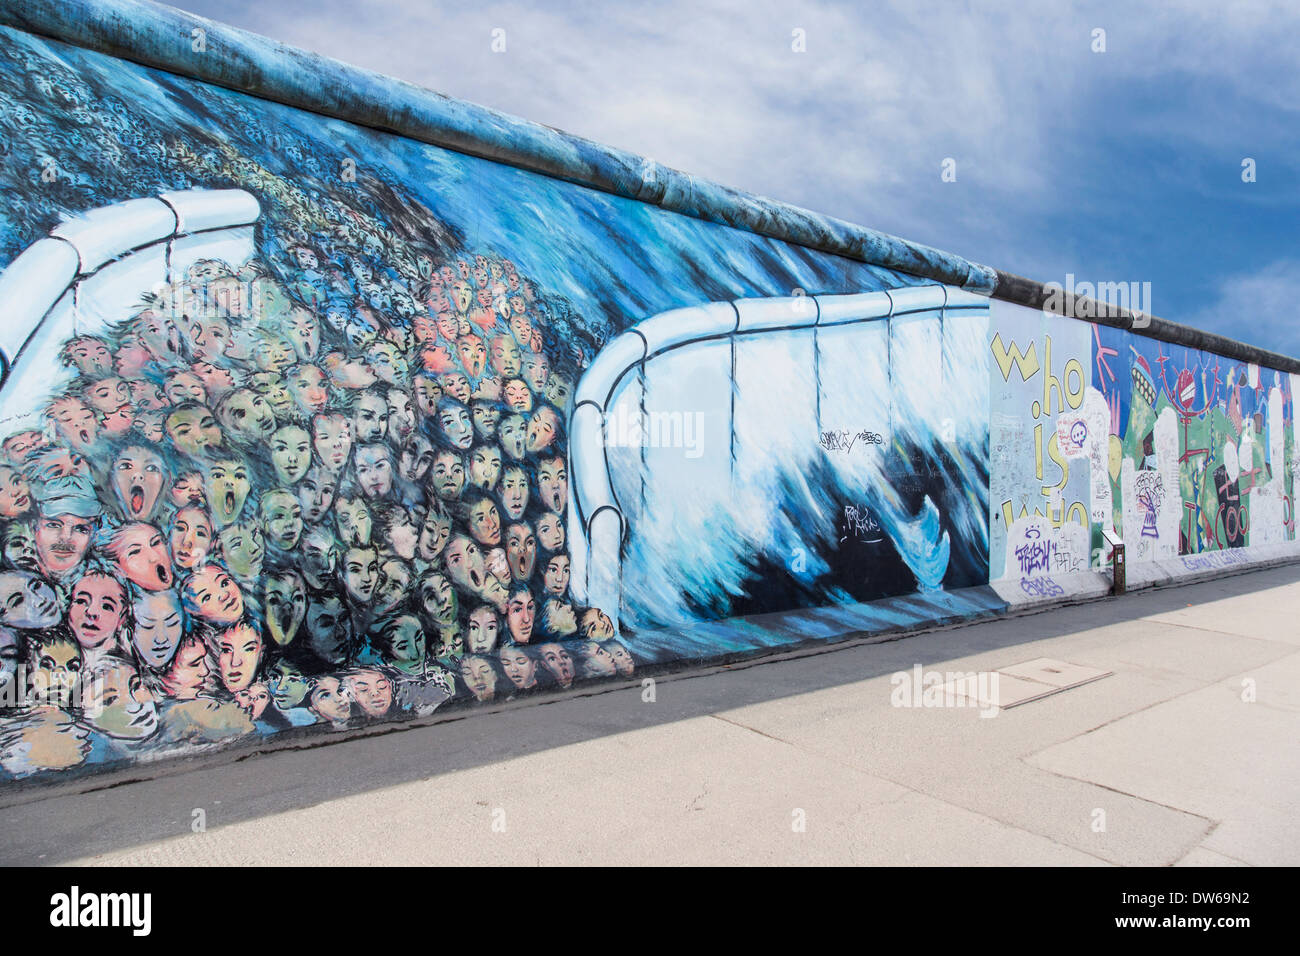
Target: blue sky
(1123, 165)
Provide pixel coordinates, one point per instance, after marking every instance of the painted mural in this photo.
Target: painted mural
(1175, 451)
(316, 475)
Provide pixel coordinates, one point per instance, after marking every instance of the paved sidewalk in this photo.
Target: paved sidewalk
(1161, 763)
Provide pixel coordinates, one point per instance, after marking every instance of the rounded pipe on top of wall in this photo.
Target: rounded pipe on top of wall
(594, 510)
(160, 36)
(33, 283)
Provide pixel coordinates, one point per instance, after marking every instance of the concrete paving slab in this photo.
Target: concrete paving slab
(1271, 615)
(1208, 753)
(1055, 673)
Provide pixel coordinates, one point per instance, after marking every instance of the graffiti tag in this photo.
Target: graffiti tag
(844, 439)
(860, 523)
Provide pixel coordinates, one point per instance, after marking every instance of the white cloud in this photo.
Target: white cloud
(1260, 304)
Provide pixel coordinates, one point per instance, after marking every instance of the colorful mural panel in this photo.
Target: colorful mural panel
(1173, 450)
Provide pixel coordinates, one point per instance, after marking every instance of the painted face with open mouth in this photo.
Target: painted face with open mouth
(286, 606)
(521, 551)
(465, 563)
(304, 334)
(514, 432)
(138, 479)
(142, 556)
(227, 485)
(75, 422)
(553, 484)
(558, 661)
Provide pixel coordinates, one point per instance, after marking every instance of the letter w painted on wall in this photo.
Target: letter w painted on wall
(1026, 361)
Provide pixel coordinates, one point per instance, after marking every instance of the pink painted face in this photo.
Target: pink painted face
(91, 356)
(107, 395)
(188, 490)
(191, 537)
(19, 446)
(212, 594)
(239, 651)
(95, 610)
(61, 542)
(473, 355)
(131, 358)
(306, 384)
(139, 475)
(517, 395)
(189, 669)
(209, 338)
(424, 328)
(75, 422)
(372, 691)
(142, 556)
(15, 494)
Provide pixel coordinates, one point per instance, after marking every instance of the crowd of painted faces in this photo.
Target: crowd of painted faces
(262, 503)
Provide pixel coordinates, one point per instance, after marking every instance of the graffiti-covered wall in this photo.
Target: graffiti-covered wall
(1182, 454)
(307, 426)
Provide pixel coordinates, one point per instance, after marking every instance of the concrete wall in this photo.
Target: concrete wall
(309, 426)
